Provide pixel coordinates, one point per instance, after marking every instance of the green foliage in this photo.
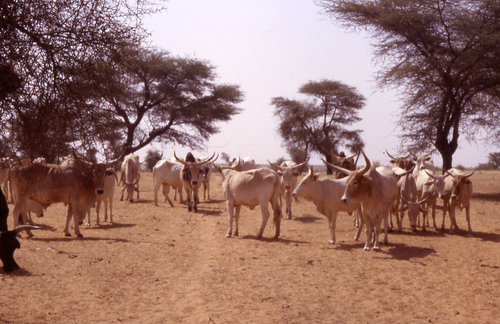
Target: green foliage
(152, 157)
(494, 160)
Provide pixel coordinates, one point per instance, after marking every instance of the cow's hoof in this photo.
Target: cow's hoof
(331, 241)
(79, 235)
(366, 249)
(67, 234)
(87, 224)
(228, 235)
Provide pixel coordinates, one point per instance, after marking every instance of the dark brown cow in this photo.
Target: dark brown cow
(343, 162)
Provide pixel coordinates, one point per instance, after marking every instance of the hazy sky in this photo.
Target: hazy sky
(270, 48)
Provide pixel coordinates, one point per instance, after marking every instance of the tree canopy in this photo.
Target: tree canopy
(78, 74)
(443, 57)
(319, 124)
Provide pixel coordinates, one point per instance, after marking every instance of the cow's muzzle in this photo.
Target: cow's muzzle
(99, 191)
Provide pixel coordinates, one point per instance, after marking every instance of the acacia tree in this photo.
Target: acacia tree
(318, 124)
(145, 95)
(44, 44)
(443, 57)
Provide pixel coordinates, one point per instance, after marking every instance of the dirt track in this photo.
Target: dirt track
(165, 265)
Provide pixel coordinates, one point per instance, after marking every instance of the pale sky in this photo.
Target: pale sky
(270, 48)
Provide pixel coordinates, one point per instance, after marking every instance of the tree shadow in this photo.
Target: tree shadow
(307, 219)
(488, 197)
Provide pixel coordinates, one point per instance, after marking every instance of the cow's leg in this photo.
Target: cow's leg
(110, 210)
(360, 226)
(237, 220)
(208, 189)
(425, 214)
(88, 216)
(369, 232)
(332, 221)
(433, 213)
(69, 215)
(122, 190)
(265, 216)
(98, 209)
(400, 218)
(445, 207)
(453, 220)
(467, 216)
(166, 192)
(196, 198)
(288, 204)
(230, 213)
(77, 216)
(137, 189)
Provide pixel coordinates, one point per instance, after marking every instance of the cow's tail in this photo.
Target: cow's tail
(276, 207)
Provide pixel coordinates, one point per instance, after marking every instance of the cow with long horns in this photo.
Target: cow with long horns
(288, 172)
(192, 174)
(376, 190)
(76, 184)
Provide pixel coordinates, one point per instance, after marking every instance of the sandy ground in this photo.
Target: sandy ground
(165, 265)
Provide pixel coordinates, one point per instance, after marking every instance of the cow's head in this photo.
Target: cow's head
(8, 244)
(459, 184)
(439, 183)
(95, 173)
(192, 171)
(357, 185)
(346, 162)
(304, 185)
(289, 174)
(401, 161)
(421, 159)
(414, 208)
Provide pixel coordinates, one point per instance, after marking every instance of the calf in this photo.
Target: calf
(106, 198)
(461, 193)
(326, 194)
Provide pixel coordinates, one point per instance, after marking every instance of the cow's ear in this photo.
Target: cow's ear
(393, 161)
(467, 181)
(295, 173)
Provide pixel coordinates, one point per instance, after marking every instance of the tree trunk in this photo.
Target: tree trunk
(328, 159)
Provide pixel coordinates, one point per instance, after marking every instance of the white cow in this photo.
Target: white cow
(251, 188)
(326, 194)
(376, 189)
(423, 161)
(167, 173)
(130, 176)
(245, 164)
(107, 198)
(426, 190)
(289, 172)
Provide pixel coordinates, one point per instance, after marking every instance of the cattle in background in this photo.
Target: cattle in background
(130, 176)
(76, 184)
(426, 190)
(106, 198)
(245, 164)
(326, 194)
(376, 190)
(401, 161)
(407, 199)
(4, 179)
(289, 172)
(207, 174)
(191, 174)
(423, 161)
(343, 162)
(167, 173)
(8, 240)
(445, 184)
(251, 188)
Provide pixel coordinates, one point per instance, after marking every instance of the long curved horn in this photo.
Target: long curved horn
(206, 160)
(298, 166)
(179, 160)
(468, 175)
(342, 170)
(275, 166)
(138, 178)
(368, 164)
(26, 227)
(430, 174)
(238, 160)
(423, 200)
(449, 173)
(392, 157)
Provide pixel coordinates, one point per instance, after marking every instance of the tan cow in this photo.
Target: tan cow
(130, 176)
(401, 161)
(326, 194)
(251, 188)
(376, 190)
(289, 172)
(76, 184)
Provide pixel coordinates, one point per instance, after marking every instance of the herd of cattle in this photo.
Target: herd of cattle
(371, 194)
